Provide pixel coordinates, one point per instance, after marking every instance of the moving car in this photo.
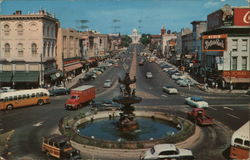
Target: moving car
(149, 75)
(169, 89)
(59, 146)
(184, 82)
(177, 75)
(107, 83)
(199, 116)
(196, 101)
(59, 91)
(166, 151)
(105, 105)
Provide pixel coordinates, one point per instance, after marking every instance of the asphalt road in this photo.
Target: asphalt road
(229, 110)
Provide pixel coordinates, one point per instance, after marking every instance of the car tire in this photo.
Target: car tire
(9, 107)
(40, 102)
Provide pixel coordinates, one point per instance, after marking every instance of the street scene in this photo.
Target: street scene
(124, 80)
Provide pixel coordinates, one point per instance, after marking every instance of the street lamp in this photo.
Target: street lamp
(41, 70)
(230, 57)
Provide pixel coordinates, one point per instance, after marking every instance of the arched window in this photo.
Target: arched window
(7, 48)
(33, 48)
(6, 29)
(20, 29)
(20, 49)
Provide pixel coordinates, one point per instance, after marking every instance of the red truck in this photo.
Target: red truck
(199, 116)
(80, 96)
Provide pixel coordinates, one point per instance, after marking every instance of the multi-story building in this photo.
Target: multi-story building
(68, 57)
(165, 39)
(27, 49)
(226, 47)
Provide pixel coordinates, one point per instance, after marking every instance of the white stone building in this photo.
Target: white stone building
(27, 49)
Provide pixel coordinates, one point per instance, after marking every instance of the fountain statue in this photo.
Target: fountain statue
(127, 97)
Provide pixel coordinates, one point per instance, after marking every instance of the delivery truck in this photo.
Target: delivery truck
(80, 96)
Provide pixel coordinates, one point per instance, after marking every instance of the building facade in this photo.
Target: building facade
(68, 53)
(226, 48)
(28, 49)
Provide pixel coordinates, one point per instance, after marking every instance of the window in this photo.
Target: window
(20, 49)
(15, 97)
(6, 29)
(48, 29)
(244, 63)
(244, 45)
(28, 96)
(20, 29)
(7, 48)
(24, 96)
(247, 143)
(19, 97)
(238, 141)
(10, 98)
(48, 48)
(34, 48)
(235, 45)
(33, 95)
(234, 63)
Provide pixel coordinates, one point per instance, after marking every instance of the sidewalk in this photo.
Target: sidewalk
(201, 86)
(74, 80)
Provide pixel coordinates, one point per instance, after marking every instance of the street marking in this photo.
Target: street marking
(228, 108)
(37, 124)
(212, 108)
(233, 116)
(163, 95)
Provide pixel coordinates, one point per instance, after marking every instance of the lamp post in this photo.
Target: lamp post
(230, 57)
(41, 70)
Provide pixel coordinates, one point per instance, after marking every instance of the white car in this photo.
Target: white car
(149, 75)
(107, 83)
(170, 89)
(177, 76)
(166, 151)
(196, 101)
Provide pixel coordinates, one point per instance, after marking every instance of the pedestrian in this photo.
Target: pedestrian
(188, 86)
(206, 87)
(216, 85)
(213, 84)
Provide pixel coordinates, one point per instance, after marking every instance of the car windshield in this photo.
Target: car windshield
(74, 97)
(64, 144)
(197, 99)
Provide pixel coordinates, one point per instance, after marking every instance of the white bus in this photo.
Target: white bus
(22, 98)
(240, 143)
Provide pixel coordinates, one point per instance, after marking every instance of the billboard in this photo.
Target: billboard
(214, 20)
(242, 16)
(214, 42)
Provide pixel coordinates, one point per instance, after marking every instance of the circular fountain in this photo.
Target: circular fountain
(126, 128)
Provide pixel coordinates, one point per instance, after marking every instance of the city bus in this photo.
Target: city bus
(240, 147)
(22, 98)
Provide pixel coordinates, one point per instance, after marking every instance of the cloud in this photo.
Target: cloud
(222, 0)
(211, 4)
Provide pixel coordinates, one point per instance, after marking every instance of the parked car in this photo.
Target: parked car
(196, 101)
(184, 82)
(170, 89)
(149, 75)
(177, 75)
(166, 151)
(171, 72)
(58, 91)
(107, 83)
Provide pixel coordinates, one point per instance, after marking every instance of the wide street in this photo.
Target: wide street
(230, 111)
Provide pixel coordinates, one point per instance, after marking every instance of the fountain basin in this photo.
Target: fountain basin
(186, 130)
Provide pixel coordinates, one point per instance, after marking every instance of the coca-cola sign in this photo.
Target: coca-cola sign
(242, 16)
(214, 42)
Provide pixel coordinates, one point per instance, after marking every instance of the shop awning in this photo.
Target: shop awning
(73, 67)
(236, 80)
(5, 76)
(22, 76)
(56, 75)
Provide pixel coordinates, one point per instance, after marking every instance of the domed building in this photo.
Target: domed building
(135, 36)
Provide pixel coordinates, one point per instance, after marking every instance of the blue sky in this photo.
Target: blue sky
(153, 14)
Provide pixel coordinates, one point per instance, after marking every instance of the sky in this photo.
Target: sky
(146, 15)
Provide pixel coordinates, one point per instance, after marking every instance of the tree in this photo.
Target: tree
(145, 39)
(126, 40)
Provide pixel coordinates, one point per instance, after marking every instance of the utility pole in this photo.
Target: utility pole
(230, 56)
(41, 69)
